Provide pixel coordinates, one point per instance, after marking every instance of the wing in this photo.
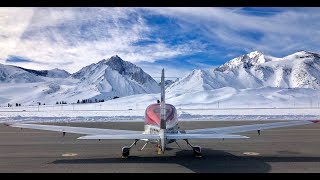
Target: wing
(76, 130)
(122, 136)
(168, 136)
(245, 128)
(203, 136)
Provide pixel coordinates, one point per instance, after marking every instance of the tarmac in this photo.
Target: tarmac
(285, 150)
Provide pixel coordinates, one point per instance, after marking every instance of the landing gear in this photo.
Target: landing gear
(126, 149)
(196, 149)
(144, 145)
(178, 145)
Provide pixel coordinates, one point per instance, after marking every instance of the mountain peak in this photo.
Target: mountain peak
(255, 54)
(245, 60)
(255, 70)
(114, 76)
(302, 54)
(305, 51)
(115, 57)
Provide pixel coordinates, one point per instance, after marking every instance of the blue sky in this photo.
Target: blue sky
(178, 39)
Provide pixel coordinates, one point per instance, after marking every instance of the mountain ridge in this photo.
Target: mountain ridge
(106, 79)
(255, 70)
(114, 77)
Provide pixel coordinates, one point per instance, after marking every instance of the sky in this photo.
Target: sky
(178, 39)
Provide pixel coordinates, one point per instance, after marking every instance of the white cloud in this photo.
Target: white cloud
(13, 22)
(282, 32)
(71, 38)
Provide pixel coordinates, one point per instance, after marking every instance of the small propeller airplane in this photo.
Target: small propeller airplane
(161, 128)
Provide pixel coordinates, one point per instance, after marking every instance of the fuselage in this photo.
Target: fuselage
(152, 119)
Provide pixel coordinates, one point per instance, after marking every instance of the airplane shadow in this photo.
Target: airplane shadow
(213, 161)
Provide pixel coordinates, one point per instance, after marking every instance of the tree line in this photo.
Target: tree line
(17, 104)
(90, 101)
(64, 102)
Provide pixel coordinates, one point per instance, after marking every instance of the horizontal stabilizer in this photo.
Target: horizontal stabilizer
(204, 136)
(122, 136)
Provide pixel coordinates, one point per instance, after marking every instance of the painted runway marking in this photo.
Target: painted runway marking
(251, 153)
(69, 154)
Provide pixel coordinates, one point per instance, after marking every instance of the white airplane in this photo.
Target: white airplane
(161, 128)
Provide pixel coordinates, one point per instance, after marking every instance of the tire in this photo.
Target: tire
(197, 151)
(125, 152)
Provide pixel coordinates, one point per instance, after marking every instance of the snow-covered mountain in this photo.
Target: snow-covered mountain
(168, 82)
(256, 70)
(53, 73)
(13, 74)
(103, 80)
(57, 73)
(115, 77)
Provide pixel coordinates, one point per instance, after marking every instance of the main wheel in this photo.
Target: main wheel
(125, 152)
(197, 151)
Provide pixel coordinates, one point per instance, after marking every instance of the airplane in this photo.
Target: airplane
(161, 128)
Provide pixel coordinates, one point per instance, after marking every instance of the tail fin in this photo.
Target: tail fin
(162, 103)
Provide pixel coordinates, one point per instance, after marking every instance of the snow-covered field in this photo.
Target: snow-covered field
(214, 105)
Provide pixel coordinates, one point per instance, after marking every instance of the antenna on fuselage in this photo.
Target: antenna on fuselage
(162, 103)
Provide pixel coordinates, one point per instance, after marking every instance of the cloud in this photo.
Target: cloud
(17, 59)
(281, 31)
(13, 22)
(70, 38)
(75, 37)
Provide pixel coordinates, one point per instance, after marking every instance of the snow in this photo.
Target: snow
(215, 105)
(254, 86)
(115, 77)
(12, 74)
(58, 73)
(256, 70)
(103, 80)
